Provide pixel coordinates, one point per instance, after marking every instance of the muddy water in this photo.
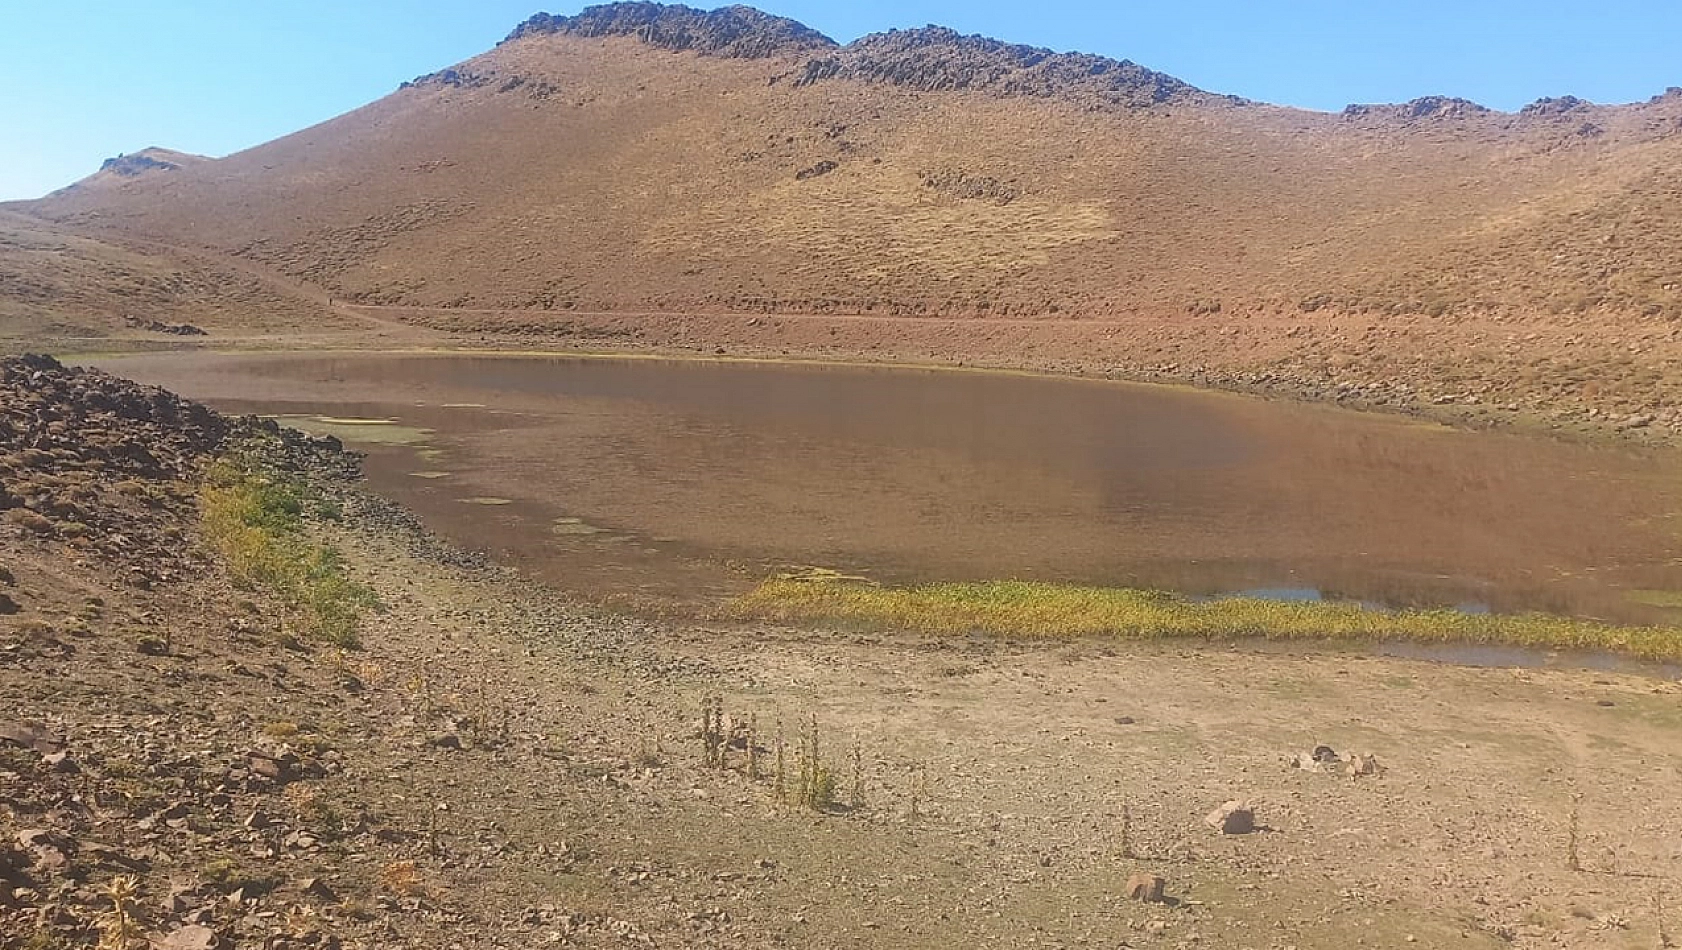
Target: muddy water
(678, 480)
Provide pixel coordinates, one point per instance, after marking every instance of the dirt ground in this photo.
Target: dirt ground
(502, 768)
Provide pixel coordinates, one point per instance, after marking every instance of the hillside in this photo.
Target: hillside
(67, 288)
(645, 158)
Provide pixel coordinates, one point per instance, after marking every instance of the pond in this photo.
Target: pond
(684, 481)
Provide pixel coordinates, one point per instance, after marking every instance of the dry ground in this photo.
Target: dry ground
(500, 768)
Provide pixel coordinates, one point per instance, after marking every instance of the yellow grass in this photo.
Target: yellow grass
(255, 517)
(1040, 610)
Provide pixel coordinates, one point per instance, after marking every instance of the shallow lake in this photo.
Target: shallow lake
(684, 481)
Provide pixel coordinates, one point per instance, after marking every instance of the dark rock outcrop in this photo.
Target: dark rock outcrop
(128, 166)
(108, 465)
(736, 32)
(1425, 107)
(930, 59)
(1560, 105)
(937, 59)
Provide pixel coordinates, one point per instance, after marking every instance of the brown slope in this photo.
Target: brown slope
(645, 157)
(61, 289)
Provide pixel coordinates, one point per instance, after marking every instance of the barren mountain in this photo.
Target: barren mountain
(641, 158)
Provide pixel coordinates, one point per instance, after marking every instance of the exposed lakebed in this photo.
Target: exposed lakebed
(685, 481)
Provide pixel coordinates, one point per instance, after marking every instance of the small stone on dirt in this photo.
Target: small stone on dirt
(1145, 887)
(1359, 765)
(1232, 818)
(193, 937)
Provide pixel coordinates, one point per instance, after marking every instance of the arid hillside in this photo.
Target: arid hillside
(640, 157)
(63, 287)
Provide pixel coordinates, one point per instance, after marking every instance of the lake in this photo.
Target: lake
(684, 481)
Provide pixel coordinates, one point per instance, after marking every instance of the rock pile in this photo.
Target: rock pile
(105, 464)
(735, 32)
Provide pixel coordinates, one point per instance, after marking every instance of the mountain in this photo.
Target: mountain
(148, 163)
(645, 158)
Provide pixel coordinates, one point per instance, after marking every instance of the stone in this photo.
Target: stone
(8, 606)
(444, 740)
(30, 736)
(1232, 818)
(1360, 765)
(1145, 887)
(60, 762)
(51, 852)
(192, 937)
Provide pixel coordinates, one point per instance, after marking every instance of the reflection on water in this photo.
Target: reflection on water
(694, 477)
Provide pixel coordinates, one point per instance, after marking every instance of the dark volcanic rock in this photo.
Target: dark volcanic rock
(1555, 106)
(939, 59)
(1425, 107)
(930, 59)
(139, 163)
(731, 32)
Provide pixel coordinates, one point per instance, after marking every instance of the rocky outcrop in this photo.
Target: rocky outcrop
(138, 163)
(1423, 108)
(104, 464)
(930, 59)
(1560, 105)
(936, 59)
(730, 32)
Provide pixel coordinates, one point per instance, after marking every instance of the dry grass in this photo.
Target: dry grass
(1039, 610)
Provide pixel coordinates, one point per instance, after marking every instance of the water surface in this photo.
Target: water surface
(686, 480)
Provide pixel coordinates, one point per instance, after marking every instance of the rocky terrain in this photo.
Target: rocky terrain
(496, 767)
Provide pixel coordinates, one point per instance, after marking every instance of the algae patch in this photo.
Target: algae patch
(358, 431)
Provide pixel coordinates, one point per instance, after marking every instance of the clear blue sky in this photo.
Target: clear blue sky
(82, 81)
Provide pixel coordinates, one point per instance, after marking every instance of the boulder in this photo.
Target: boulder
(1232, 818)
(1145, 887)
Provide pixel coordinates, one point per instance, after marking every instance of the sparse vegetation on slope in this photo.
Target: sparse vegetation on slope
(255, 516)
(1038, 610)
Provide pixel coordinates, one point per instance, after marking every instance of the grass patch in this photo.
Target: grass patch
(256, 517)
(1041, 610)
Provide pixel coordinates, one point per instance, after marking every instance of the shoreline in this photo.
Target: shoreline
(1461, 418)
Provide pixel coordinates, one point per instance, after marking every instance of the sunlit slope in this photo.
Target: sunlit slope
(609, 172)
(58, 286)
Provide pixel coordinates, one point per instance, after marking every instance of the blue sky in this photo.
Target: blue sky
(83, 81)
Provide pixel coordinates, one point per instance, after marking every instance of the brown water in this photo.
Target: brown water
(686, 480)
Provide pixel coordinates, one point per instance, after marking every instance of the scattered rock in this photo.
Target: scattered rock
(444, 740)
(1359, 765)
(1232, 818)
(192, 937)
(1145, 887)
(30, 736)
(60, 762)
(51, 852)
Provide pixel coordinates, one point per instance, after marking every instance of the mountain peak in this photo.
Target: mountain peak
(936, 58)
(735, 32)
